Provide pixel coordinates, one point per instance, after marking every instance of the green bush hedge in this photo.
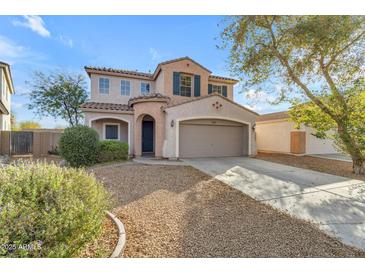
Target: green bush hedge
(112, 150)
(48, 211)
(79, 146)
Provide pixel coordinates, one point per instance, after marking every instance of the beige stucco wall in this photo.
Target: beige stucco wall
(318, 146)
(160, 83)
(274, 136)
(114, 95)
(92, 117)
(202, 109)
(5, 98)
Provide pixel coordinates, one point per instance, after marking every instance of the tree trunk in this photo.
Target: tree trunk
(352, 149)
(358, 166)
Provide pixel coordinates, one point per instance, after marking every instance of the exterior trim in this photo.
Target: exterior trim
(177, 140)
(3, 109)
(111, 124)
(121, 119)
(8, 76)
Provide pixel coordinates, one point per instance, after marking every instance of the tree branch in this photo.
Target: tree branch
(333, 58)
(296, 79)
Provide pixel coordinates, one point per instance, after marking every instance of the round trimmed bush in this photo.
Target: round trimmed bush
(112, 150)
(48, 211)
(79, 146)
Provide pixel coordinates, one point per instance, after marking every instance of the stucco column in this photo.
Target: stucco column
(160, 136)
(138, 136)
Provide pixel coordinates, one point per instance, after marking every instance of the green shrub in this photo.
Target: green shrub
(79, 146)
(48, 211)
(112, 150)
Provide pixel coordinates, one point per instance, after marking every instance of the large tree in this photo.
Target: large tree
(315, 62)
(58, 95)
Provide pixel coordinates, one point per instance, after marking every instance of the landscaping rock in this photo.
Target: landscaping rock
(178, 211)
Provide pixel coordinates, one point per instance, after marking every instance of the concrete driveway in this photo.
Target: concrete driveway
(336, 204)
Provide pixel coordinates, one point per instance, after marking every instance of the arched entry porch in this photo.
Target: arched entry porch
(148, 135)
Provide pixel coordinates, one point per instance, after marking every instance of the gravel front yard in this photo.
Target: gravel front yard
(177, 211)
(335, 167)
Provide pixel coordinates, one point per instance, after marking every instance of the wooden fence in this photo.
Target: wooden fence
(35, 142)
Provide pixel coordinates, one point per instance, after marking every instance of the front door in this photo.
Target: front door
(147, 136)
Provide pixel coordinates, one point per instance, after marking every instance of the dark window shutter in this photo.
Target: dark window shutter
(176, 83)
(196, 85)
(210, 88)
(224, 91)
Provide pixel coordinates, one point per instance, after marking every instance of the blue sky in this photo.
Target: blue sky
(69, 43)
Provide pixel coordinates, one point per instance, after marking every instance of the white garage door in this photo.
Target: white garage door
(212, 138)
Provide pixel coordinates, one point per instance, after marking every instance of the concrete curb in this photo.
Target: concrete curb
(122, 237)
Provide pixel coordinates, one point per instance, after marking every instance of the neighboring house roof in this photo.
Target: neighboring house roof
(3, 109)
(149, 76)
(8, 76)
(106, 106)
(273, 116)
(210, 95)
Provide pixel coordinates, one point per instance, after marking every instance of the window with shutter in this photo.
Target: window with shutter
(176, 83)
(210, 88)
(224, 91)
(196, 85)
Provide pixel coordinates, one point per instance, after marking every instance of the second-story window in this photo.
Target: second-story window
(145, 88)
(185, 85)
(125, 88)
(104, 85)
(217, 89)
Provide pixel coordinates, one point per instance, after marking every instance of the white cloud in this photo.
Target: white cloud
(35, 23)
(154, 54)
(258, 96)
(66, 41)
(16, 105)
(9, 49)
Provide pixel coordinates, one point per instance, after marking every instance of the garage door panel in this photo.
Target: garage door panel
(202, 140)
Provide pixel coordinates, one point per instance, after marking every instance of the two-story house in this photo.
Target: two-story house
(180, 110)
(6, 89)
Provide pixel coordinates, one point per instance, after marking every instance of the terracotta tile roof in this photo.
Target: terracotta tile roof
(150, 76)
(180, 59)
(154, 95)
(222, 78)
(209, 95)
(106, 106)
(118, 71)
(273, 116)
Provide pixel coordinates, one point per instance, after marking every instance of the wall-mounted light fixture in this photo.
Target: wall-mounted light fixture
(172, 123)
(254, 126)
